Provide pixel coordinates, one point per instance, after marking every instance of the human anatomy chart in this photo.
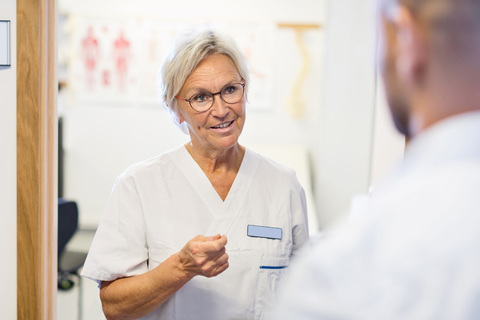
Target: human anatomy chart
(116, 61)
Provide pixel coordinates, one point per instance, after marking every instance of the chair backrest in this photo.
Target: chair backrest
(67, 223)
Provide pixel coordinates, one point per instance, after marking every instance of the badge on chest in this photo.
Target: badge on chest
(264, 232)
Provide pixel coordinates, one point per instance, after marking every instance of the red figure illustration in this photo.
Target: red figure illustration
(90, 54)
(121, 55)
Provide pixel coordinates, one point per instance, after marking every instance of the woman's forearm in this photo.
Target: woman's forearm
(138, 296)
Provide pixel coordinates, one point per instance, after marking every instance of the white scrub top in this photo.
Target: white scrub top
(415, 254)
(157, 206)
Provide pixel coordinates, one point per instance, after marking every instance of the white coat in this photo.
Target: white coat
(158, 205)
(415, 253)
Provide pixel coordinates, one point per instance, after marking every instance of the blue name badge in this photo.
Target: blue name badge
(264, 232)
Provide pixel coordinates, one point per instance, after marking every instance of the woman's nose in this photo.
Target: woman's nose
(219, 107)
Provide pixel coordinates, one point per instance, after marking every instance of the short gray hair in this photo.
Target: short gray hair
(189, 49)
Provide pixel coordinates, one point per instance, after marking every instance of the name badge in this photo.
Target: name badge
(264, 232)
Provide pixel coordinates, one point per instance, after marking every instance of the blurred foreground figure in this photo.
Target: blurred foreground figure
(416, 252)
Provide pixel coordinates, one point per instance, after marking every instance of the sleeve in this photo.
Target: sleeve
(119, 247)
(299, 220)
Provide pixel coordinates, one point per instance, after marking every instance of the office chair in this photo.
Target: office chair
(69, 262)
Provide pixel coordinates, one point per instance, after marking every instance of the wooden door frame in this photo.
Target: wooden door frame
(36, 159)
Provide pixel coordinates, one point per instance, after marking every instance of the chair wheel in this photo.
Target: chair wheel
(65, 284)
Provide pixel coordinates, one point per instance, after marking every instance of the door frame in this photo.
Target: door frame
(36, 159)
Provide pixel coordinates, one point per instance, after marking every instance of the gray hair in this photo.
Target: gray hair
(188, 51)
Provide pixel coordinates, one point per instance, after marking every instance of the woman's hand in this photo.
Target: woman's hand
(204, 256)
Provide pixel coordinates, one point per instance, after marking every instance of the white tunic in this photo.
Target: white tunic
(415, 254)
(158, 205)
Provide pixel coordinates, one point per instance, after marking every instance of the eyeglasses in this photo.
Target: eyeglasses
(203, 101)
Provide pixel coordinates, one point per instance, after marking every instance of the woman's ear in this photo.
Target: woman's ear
(182, 124)
(180, 118)
(176, 115)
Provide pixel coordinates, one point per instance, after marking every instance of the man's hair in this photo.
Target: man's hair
(451, 26)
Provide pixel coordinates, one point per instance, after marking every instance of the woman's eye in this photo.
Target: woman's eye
(200, 97)
(229, 90)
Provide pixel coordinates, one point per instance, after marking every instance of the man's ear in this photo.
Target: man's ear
(410, 44)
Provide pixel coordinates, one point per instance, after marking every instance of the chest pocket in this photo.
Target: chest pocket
(273, 261)
(270, 273)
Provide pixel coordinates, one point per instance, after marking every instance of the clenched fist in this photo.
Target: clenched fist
(205, 256)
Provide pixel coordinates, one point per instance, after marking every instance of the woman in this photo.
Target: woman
(160, 251)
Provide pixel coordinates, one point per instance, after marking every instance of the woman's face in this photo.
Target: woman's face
(218, 128)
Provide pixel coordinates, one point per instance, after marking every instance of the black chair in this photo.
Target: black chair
(69, 262)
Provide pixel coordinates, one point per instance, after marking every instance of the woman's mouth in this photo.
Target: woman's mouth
(223, 125)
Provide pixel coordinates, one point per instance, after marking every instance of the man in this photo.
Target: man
(416, 254)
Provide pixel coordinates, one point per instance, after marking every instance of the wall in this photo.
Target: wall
(347, 115)
(349, 144)
(8, 201)
(388, 143)
(101, 140)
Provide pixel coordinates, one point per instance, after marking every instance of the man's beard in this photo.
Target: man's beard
(397, 101)
(400, 116)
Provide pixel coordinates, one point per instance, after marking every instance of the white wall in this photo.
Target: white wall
(8, 173)
(349, 145)
(388, 143)
(102, 140)
(345, 132)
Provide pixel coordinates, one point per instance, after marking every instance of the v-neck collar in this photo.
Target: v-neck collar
(202, 185)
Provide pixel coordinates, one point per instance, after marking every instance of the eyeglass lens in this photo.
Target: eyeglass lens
(232, 93)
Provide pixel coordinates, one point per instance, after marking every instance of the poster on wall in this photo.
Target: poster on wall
(116, 61)
(103, 64)
(257, 41)
(155, 38)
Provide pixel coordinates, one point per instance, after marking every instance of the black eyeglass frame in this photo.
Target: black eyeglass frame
(213, 97)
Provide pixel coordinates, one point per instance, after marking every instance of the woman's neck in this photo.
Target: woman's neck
(217, 162)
